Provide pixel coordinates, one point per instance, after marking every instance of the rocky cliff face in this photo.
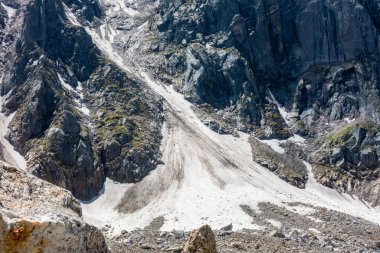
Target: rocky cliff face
(318, 59)
(78, 117)
(86, 86)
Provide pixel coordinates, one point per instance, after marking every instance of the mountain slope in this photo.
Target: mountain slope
(167, 115)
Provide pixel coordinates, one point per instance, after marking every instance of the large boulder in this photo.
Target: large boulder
(201, 240)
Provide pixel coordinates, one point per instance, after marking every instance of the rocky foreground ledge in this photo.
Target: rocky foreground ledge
(36, 216)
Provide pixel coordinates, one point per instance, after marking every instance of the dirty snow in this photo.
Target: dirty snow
(205, 178)
(120, 5)
(107, 32)
(64, 84)
(274, 144)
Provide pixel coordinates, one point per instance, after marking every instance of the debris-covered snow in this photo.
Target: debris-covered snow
(9, 154)
(206, 177)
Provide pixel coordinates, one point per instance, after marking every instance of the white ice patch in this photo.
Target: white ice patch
(11, 12)
(275, 223)
(70, 16)
(348, 120)
(314, 230)
(78, 92)
(11, 156)
(314, 219)
(281, 109)
(275, 144)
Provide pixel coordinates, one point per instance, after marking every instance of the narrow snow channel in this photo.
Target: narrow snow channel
(281, 109)
(9, 154)
(78, 93)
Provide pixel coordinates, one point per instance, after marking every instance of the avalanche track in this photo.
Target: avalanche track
(205, 177)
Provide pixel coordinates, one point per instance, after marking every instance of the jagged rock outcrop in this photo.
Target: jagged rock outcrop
(36, 216)
(318, 57)
(222, 79)
(201, 240)
(71, 102)
(348, 160)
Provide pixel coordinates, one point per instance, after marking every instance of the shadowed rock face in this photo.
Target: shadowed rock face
(71, 102)
(282, 42)
(269, 32)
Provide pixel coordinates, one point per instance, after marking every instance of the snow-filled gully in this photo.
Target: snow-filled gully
(7, 151)
(205, 178)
